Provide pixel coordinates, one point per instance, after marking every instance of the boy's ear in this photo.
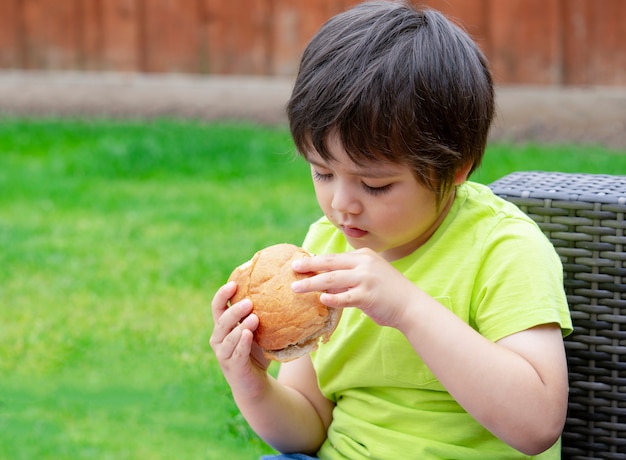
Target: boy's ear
(461, 175)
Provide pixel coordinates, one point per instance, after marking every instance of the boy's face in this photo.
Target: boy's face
(380, 206)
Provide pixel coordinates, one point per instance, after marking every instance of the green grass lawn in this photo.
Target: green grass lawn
(114, 237)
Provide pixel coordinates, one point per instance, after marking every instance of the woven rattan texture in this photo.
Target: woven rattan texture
(583, 216)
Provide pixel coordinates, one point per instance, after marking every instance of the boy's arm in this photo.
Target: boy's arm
(291, 414)
(516, 388)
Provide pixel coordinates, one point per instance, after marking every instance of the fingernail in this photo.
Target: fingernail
(296, 286)
(249, 320)
(246, 304)
(296, 264)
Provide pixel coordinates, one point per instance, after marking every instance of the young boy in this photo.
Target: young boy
(450, 344)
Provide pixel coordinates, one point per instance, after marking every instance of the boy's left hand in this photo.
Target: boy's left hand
(361, 279)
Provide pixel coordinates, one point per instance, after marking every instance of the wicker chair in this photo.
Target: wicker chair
(584, 216)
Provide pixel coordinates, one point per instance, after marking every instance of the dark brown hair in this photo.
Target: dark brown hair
(398, 84)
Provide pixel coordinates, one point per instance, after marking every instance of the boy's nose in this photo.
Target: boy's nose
(345, 201)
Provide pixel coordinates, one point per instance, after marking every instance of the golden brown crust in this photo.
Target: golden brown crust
(289, 323)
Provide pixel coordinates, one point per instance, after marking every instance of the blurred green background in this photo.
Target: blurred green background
(115, 236)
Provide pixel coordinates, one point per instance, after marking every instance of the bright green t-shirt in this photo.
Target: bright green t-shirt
(493, 267)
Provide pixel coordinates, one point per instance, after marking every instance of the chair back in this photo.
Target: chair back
(584, 217)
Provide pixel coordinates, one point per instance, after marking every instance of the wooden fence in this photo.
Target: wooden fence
(543, 42)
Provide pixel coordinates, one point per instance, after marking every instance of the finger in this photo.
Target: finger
(339, 300)
(246, 348)
(325, 262)
(241, 353)
(331, 281)
(226, 341)
(220, 300)
(250, 322)
(223, 346)
(328, 262)
(230, 319)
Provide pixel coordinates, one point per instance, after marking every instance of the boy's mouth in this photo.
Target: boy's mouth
(353, 232)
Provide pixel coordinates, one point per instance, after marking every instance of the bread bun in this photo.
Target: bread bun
(290, 324)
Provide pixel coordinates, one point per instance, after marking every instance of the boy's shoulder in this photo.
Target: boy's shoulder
(479, 198)
(479, 215)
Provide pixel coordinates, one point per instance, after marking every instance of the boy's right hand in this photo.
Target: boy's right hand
(241, 360)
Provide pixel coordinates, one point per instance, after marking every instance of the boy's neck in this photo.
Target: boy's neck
(400, 252)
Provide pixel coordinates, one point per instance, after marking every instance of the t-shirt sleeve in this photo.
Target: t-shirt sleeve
(520, 282)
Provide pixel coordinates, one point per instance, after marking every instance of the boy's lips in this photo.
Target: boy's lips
(353, 232)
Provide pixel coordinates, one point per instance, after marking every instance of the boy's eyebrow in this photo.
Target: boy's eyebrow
(372, 173)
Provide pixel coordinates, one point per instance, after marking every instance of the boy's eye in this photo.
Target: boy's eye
(321, 177)
(376, 190)
(372, 190)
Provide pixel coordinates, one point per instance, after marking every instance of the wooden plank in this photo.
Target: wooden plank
(593, 42)
(286, 36)
(575, 23)
(470, 15)
(294, 25)
(10, 35)
(50, 34)
(607, 52)
(91, 35)
(121, 33)
(525, 45)
(172, 36)
(236, 33)
(251, 36)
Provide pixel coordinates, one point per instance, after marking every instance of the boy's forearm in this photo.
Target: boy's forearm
(515, 394)
(283, 418)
